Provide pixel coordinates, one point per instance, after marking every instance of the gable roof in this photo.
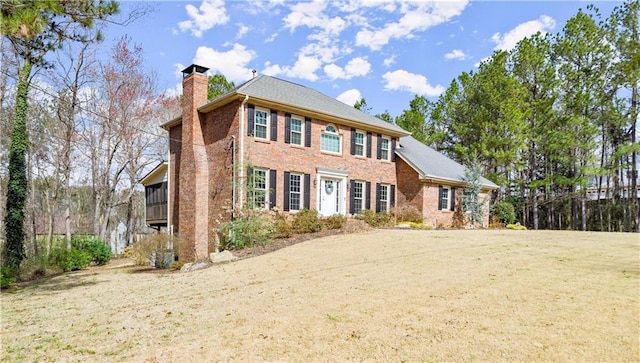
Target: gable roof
(159, 172)
(430, 164)
(278, 91)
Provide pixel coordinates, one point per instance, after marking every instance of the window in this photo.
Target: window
(330, 140)
(296, 131)
(383, 198)
(261, 124)
(295, 191)
(446, 199)
(358, 196)
(359, 143)
(384, 148)
(259, 188)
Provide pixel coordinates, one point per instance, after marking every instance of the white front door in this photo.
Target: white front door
(330, 194)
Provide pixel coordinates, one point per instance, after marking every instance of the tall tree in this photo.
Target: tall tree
(218, 85)
(35, 28)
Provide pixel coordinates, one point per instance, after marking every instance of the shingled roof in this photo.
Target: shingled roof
(431, 164)
(272, 89)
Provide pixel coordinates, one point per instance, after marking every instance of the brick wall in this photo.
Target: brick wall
(175, 161)
(410, 189)
(279, 156)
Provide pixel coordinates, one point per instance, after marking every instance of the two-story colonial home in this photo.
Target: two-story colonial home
(296, 148)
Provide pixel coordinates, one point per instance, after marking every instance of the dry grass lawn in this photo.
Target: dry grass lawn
(382, 295)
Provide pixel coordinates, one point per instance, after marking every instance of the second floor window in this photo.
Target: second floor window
(359, 149)
(384, 148)
(261, 124)
(296, 131)
(330, 140)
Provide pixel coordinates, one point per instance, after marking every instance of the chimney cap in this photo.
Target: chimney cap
(194, 68)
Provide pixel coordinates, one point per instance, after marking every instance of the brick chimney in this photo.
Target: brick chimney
(194, 170)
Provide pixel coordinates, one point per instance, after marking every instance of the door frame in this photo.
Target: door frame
(341, 176)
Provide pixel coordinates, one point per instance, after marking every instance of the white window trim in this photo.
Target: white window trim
(387, 187)
(266, 188)
(364, 143)
(447, 206)
(363, 199)
(301, 192)
(337, 133)
(302, 124)
(388, 149)
(255, 123)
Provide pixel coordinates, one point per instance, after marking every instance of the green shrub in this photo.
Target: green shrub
(504, 211)
(8, 276)
(307, 221)
(100, 253)
(378, 220)
(70, 260)
(246, 231)
(281, 226)
(335, 221)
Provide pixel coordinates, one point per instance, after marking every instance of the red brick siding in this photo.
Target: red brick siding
(294, 158)
(410, 190)
(175, 170)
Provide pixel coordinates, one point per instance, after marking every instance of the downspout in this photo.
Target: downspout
(241, 166)
(169, 224)
(233, 177)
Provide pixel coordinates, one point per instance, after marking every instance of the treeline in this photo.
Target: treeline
(553, 122)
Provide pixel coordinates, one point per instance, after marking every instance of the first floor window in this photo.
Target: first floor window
(295, 191)
(446, 200)
(261, 124)
(358, 196)
(383, 198)
(259, 188)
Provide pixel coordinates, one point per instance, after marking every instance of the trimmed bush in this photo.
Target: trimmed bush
(307, 221)
(100, 253)
(70, 260)
(335, 221)
(504, 211)
(408, 213)
(281, 226)
(378, 220)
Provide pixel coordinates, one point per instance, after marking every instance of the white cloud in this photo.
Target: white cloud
(242, 31)
(509, 40)
(209, 14)
(232, 63)
(304, 68)
(402, 80)
(416, 17)
(173, 92)
(456, 54)
(350, 97)
(388, 62)
(178, 67)
(354, 68)
(311, 15)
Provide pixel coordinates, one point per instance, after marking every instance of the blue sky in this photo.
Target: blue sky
(384, 51)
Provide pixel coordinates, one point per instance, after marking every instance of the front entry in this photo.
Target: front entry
(331, 194)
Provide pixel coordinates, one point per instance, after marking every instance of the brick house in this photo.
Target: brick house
(297, 148)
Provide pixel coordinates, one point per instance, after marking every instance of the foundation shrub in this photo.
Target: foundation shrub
(517, 227)
(336, 221)
(249, 230)
(408, 213)
(307, 221)
(377, 220)
(281, 227)
(140, 251)
(504, 211)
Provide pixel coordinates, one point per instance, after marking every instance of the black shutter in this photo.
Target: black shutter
(287, 128)
(353, 141)
(440, 197)
(272, 188)
(368, 144)
(287, 184)
(393, 149)
(392, 196)
(352, 188)
(307, 191)
(378, 197)
(307, 132)
(379, 152)
(274, 125)
(367, 195)
(250, 118)
(453, 198)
